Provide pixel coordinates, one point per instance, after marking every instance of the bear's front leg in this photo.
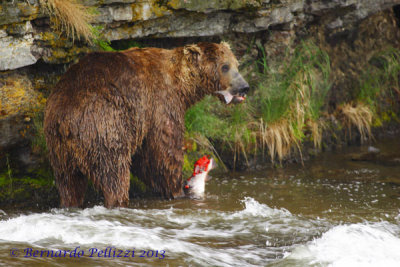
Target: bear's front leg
(159, 161)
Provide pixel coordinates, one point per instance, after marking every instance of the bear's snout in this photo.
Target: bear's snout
(244, 88)
(239, 85)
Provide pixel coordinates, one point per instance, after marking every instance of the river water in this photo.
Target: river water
(331, 212)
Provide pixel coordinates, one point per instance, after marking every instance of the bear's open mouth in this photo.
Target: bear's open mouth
(239, 98)
(228, 97)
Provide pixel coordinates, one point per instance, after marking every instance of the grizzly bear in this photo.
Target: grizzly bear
(114, 107)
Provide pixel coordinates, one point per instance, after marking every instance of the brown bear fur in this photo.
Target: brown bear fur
(114, 105)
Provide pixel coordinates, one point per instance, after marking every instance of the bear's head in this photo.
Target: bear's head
(218, 70)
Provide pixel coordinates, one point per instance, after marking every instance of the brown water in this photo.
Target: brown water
(331, 212)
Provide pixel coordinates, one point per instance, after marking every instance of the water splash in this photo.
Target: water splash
(254, 208)
(363, 245)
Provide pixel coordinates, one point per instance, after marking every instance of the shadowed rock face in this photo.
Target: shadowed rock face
(29, 48)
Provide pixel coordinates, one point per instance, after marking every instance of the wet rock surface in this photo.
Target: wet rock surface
(389, 159)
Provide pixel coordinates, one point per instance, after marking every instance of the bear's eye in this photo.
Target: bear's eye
(225, 68)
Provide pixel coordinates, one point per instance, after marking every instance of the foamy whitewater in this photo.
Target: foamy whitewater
(256, 235)
(354, 245)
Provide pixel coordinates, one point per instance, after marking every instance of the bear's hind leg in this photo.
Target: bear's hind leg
(116, 194)
(72, 188)
(159, 162)
(111, 175)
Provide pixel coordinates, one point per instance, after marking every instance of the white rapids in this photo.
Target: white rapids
(355, 245)
(255, 235)
(239, 237)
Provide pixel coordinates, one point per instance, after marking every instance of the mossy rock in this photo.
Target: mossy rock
(17, 97)
(35, 188)
(208, 6)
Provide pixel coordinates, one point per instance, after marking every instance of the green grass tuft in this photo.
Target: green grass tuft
(381, 79)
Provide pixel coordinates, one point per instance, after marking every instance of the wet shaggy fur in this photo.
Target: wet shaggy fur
(114, 105)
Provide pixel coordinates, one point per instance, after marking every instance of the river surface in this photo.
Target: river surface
(331, 212)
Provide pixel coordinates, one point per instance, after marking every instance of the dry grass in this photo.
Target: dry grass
(70, 17)
(278, 137)
(241, 145)
(316, 128)
(359, 115)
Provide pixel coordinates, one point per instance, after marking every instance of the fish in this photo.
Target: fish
(194, 187)
(229, 97)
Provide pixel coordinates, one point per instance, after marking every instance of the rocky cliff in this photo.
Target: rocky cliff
(33, 54)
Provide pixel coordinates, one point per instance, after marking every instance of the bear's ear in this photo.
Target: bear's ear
(223, 43)
(192, 53)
